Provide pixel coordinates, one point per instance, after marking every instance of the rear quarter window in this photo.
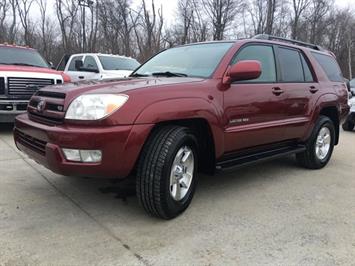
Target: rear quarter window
(330, 67)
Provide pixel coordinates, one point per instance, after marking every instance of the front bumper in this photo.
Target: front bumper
(9, 109)
(120, 146)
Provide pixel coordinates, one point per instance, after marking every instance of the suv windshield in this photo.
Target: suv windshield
(118, 63)
(21, 56)
(199, 60)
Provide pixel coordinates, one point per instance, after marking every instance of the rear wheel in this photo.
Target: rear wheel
(348, 125)
(166, 174)
(320, 145)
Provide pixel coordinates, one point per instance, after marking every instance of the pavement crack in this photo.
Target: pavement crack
(77, 204)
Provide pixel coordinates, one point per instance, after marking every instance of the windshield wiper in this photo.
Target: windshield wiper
(139, 75)
(24, 64)
(169, 74)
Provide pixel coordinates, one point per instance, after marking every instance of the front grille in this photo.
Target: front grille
(52, 112)
(32, 143)
(26, 87)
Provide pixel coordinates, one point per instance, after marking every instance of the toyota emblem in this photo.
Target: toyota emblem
(41, 105)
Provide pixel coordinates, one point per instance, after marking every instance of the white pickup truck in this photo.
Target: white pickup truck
(93, 66)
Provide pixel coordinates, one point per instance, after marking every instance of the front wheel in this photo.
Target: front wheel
(320, 145)
(167, 171)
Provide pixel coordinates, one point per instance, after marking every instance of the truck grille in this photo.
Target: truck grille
(34, 144)
(52, 110)
(26, 87)
(2, 86)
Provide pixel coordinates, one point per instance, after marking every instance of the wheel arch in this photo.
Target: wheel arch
(204, 135)
(333, 114)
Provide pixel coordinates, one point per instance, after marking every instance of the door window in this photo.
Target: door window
(265, 55)
(72, 63)
(291, 67)
(90, 63)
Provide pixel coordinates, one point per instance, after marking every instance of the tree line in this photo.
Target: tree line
(140, 31)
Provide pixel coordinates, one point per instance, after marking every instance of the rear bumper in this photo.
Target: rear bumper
(120, 146)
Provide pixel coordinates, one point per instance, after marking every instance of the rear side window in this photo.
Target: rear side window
(265, 55)
(290, 65)
(330, 67)
(72, 63)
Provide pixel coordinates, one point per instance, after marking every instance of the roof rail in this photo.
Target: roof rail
(275, 38)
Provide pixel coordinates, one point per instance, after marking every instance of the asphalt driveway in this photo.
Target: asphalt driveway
(272, 213)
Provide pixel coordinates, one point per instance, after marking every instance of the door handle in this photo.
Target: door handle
(81, 77)
(277, 91)
(313, 89)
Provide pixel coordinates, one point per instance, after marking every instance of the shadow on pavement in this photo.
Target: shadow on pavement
(6, 127)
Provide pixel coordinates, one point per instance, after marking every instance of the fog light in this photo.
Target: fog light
(86, 156)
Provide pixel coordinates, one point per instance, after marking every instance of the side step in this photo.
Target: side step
(246, 159)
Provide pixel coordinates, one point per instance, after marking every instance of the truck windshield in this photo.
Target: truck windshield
(22, 57)
(118, 63)
(199, 60)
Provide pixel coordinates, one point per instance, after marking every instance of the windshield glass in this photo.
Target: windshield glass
(352, 83)
(118, 63)
(198, 60)
(21, 56)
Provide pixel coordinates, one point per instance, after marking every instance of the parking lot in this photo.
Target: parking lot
(272, 213)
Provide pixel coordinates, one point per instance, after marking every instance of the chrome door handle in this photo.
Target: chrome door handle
(313, 89)
(277, 91)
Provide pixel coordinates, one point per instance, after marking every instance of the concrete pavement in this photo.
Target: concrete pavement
(273, 213)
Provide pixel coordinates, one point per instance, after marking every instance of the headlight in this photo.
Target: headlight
(95, 106)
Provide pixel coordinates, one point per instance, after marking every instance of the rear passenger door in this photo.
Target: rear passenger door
(298, 83)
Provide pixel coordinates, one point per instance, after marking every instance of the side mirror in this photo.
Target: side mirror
(51, 65)
(245, 70)
(78, 64)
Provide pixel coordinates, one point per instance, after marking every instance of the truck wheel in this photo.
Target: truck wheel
(167, 171)
(348, 125)
(319, 146)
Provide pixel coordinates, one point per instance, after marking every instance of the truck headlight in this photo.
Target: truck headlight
(95, 106)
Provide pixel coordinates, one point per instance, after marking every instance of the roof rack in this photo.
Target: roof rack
(275, 38)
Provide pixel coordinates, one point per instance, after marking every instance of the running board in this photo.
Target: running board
(240, 161)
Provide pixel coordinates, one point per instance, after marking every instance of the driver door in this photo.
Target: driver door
(89, 62)
(254, 109)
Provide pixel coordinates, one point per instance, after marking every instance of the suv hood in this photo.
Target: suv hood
(116, 73)
(117, 86)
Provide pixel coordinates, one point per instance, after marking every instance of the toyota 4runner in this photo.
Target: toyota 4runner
(189, 109)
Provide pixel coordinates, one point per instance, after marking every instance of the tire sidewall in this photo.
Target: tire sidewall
(174, 206)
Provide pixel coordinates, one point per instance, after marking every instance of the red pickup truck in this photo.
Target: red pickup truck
(189, 109)
(22, 72)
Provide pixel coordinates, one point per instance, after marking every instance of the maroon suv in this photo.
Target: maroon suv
(197, 107)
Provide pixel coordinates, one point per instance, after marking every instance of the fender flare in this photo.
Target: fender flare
(324, 101)
(186, 108)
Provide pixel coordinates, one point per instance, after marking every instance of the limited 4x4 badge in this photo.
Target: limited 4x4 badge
(239, 120)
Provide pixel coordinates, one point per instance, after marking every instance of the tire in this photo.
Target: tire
(348, 125)
(317, 156)
(166, 182)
